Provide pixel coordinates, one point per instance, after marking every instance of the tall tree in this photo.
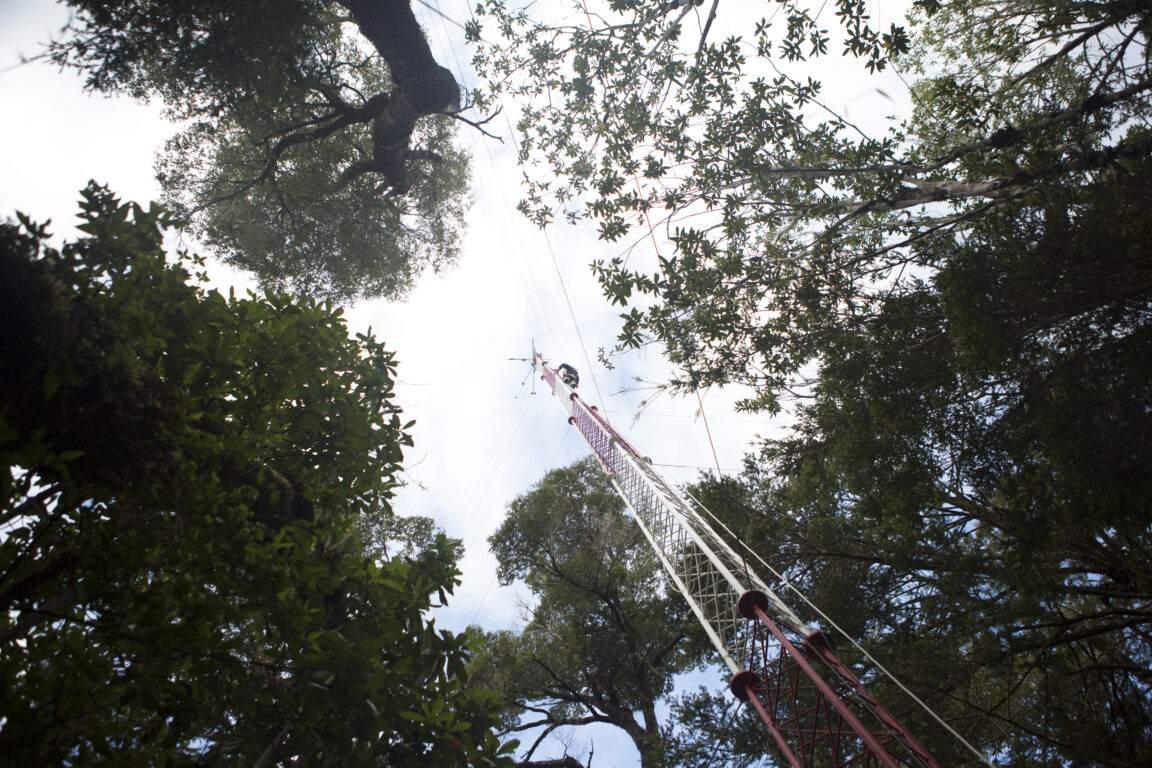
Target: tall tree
(786, 221)
(960, 308)
(1028, 648)
(318, 152)
(606, 638)
(196, 520)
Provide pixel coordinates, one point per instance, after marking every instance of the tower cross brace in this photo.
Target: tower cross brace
(815, 709)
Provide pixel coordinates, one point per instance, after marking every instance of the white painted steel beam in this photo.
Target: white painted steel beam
(707, 571)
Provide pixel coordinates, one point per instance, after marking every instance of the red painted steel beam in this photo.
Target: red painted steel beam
(752, 608)
(819, 645)
(744, 686)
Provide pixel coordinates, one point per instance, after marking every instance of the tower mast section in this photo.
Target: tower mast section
(816, 710)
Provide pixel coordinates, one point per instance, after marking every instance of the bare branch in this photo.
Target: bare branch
(478, 123)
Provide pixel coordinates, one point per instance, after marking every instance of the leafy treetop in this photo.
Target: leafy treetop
(190, 485)
(785, 221)
(319, 163)
(606, 639)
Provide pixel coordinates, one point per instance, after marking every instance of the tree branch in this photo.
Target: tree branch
(478, 123)
(423, 87)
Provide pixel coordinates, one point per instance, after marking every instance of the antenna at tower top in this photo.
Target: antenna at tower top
(531, 360)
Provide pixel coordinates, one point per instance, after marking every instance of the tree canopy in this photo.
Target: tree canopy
(956, 311)
(196, 524)
(787, 223)
(606, 638)
(1033, 644)
(956, 308)
(317, 151)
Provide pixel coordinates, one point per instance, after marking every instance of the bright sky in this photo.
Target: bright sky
(482, 437)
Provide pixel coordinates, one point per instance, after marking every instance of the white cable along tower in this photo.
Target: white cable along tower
(817, 712)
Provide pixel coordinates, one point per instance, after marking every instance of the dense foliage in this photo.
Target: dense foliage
(1024, 625)
(786, 222)
(958, 310)
(314, 152)
(958, 307)
(195, 524)
(605, 639)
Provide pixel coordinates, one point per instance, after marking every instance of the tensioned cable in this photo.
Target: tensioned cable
(708, 431)
(843, 632)
(446, 42)
(544, 231)
(436, 10)
(700, 467)
(572, 312)
(483, 599)
(763, 562)
(656, 250)
(479, 524)
(559, 444)
(619, 412)
(803, 597)
(540, 308)
(560, 278)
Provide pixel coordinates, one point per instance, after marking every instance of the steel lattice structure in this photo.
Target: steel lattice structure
(816, 710)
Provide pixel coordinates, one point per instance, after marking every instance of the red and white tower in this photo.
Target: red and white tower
(817, 712)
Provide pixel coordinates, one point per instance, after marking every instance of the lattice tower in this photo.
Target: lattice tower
(817, 711)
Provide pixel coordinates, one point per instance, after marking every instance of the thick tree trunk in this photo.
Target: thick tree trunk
(646, 738)
(422, 86)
